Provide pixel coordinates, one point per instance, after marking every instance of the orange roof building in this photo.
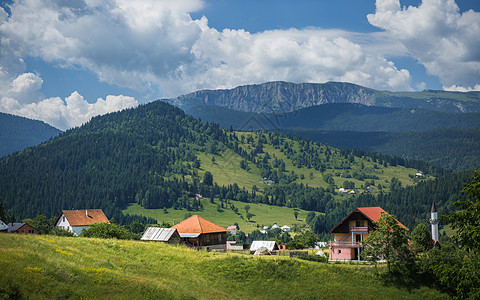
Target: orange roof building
(198, 232)
(352, 230)
(77, 220)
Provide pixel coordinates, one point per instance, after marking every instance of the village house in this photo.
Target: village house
(166, 235)
(200, 233)
(352, 230)
(21, 228)
(232, 229)
(77, 220)
(286, 228)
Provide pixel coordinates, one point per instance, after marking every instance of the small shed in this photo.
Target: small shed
(270, 245)
(21, 228)
(166, 235)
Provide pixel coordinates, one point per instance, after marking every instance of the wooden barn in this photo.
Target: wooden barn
(198, 232)
(21, 228)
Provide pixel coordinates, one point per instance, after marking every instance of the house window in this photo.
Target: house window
(339, 251)
(358, 238)
(219, 237)
(63, 219)
(359, 224)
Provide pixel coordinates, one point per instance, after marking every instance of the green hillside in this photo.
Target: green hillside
(48, 267)
(263, 215)
(158, 158)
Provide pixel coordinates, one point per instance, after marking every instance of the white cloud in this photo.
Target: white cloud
(441, 38)
(456, 88)
(156, 43)
(72, 112)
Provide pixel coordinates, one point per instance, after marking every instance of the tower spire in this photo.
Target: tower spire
(434, 221)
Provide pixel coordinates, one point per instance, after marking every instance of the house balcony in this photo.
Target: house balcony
(346, 244)
(359, 229)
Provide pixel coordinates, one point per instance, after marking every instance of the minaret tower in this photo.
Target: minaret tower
(434, 221)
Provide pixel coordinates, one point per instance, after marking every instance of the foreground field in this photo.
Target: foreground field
(53, 267)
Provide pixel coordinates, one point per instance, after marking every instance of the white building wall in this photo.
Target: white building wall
(64, 224)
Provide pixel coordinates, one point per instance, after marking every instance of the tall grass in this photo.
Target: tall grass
(47, 267)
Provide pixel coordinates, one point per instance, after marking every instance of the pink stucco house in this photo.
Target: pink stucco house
(352, 230)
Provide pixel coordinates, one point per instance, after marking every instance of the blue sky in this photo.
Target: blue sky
(64, 62)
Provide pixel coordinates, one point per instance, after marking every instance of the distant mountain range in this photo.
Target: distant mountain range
(17, 133)
(436, 126)
(283, 97)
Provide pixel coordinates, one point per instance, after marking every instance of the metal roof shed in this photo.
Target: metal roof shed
(167, 235)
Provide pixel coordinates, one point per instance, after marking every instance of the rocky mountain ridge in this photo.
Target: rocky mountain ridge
(281, 97)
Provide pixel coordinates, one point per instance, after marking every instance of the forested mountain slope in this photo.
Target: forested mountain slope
(338, 117)
(455, 149)
(158, 157)
(17, 133)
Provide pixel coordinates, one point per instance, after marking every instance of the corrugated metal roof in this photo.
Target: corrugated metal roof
(270, 245)
(158, 234)
(189, 235)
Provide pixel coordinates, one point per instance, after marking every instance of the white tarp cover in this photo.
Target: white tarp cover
(270, 245)
(262, 251)
(158, 234)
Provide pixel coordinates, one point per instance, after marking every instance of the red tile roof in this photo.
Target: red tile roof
(373, 213)
(196, 224)
(80, 218)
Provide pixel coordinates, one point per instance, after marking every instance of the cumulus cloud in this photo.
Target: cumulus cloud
(441, 38)
(456, 88)
(71, 112)
(156, 43)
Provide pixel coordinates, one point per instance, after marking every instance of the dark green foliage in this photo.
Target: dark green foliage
(452, 270)
(106, 231)
(41, 223)
(61, 232)
(208, 178)
(388, 241)
(465, 222)
(421, 238)
(305, 239)
(3, 215)
(455, 149)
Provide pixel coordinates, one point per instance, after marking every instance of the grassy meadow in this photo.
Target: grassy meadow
(50, 267)
(263, 215)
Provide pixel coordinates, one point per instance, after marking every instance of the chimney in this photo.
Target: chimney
(86, 213)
